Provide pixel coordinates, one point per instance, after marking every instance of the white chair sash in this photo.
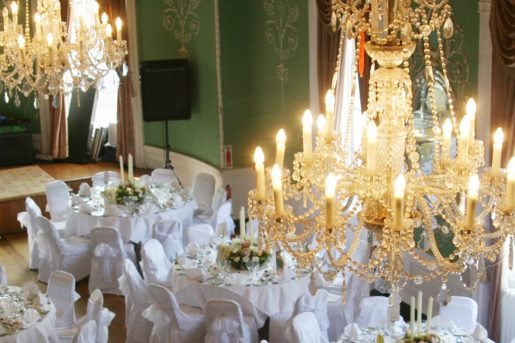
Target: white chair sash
(156, 314)
(224, 330)
(105, 253)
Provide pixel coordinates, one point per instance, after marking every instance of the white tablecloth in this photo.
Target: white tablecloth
(263, 301)
(137, 228)
(45, 325)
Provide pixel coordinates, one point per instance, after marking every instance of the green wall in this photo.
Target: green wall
(254, 107)
(26, 110)
(198, 137)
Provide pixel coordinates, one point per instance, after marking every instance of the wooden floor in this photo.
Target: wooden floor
(14, 248)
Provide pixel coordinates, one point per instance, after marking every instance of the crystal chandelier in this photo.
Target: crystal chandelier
(383, 191)
(35, 58)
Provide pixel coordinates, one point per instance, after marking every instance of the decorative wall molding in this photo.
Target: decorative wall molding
(182, 21)
(219, 93)
(281, 34)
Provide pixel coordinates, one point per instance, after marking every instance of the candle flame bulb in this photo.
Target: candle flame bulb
(473, 190)
(321, 123)
(399, 186)
(276, 174)
(37, 18)
(329, 100)
(118, 23)
(330, 185)
(471, 107)
(281, 137)
(498, 136)
(14, 8)
(464, 127)
(259, 159)
(21, 42)
(109, 30)
(50, 40)
(96, 6)
(104, 18)
(259, 156)
(307, 119)
(447, 127)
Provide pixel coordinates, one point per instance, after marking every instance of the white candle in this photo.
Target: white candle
(471, 114)
(14, 11)
(131, 169)
(412, 315)
(464, 142)
(510, 187)
(321, 124)
(371, 146)
(329, 111)
(259, 159)
(429, 314)
(122, 176)
(242, 222)
(109, 31)
(21, 42)
(330, 190)
(96, 7)
(473, 193)
(496, 157)
(280, 141)
(447, 137)
(37, 21)
(419, 312)
(104, 18)
(278, 190)
(307, 124)
(118, 24)
(398, 201)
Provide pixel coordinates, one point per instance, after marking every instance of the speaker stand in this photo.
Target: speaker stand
(168, 162)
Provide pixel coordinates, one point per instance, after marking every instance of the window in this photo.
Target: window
(105, 105)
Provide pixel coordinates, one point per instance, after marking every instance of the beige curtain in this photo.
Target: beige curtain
(502, 27)
(59, 135)
(125, 123)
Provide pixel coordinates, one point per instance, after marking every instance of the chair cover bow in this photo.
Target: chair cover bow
(105, 253)
(156, 314)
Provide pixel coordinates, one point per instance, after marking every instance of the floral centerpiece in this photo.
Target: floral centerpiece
(127, 192)
(426, 338)
(241, 254)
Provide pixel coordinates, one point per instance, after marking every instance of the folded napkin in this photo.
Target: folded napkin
(196, 274)
(84, 190)
(84, 207)
(30, 317)
(192, 249)
(76, 200)
(479, 335)
(352, 331)
(30, 290)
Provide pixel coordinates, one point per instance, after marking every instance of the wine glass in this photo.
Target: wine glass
(252, 266)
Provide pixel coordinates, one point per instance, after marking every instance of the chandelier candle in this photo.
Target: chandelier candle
(280, 141)
(471, 202)
(329, 111)
(259, 159)
(398, 201)
(371, 146)
(118, 23)
(510, 187)
(278, 190)
(471, 114)
(447, 137)
(330, 189)
(307, 125)
(464, 141)
(14, 11)
(496, 157)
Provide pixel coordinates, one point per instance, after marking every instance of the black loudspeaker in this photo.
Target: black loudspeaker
(165, 90)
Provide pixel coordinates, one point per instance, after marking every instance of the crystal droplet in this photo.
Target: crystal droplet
(17, 100)
(510, 254)
(448, 28)
(333, 21)
(425, 30)
(36, 102)
(406, 33)
(6, 98)
(444, 297)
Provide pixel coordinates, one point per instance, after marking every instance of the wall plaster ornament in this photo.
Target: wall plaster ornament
(182, 21)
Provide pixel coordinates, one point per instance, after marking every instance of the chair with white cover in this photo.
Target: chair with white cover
(108, 256)
(226, 323)
(203, 190)
(3, 276)
(280, 329)
(104, 178)
(200, 234)
(208, 216)
(33, 212)
(169, 233)
(305, 328)
(162, 175)
(173, 322)
(224, 224)
(373, 312)
(462, 311)
(154, 264)
(57, 197)
(137, 300)
(87, 333)
(61, 290)
(71, 254)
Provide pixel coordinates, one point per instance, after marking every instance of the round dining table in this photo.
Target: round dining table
(259, 298)
(25, 318)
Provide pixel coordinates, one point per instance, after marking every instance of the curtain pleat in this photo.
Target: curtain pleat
(502, 28)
